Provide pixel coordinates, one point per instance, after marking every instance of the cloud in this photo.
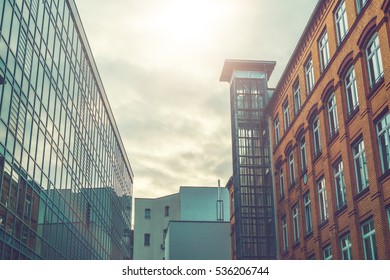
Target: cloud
(160, 67)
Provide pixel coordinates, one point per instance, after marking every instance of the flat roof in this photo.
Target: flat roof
(245, 65)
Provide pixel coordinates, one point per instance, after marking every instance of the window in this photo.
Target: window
(332, 115)
(295, 224)
(166, 211)
(369, 241)
(351, 90)
(285, 234)
(322, 200)
(359, 156)
(147, 239)
(291, 168)
(147, 213)
(327, 251)
(308, 220)
(297, 97)
(374, 60)
(383, 132)
(302, 144)
(388, 215)
(316, 137)
(286, 115)
(309, 75)
(346, 247)
(340, 184)
(277, 131)
(323, 47)
(281, 184)
(360, 4)
(340, 17)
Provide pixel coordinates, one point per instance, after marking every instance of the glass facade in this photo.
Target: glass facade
(253, 188)
(65, 179)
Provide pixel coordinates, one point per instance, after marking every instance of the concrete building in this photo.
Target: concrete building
(185, 225)
(330, 124)
(66, 183)
(251, 188)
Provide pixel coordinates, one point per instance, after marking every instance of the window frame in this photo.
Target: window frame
(277, 130)
(360, 4)
(359, 155)
(286, 115)
(166, 211)
(339, 181)
(291, 168)
(316, 136)
(346, 247)
(322, 200)
(332, 115)
(388, 215)
(351, 90)
(309, 75)
(370, 235)
(281, 182)
(384, 133)
(146, 239)
(148, 213)
(376, 53)
(297, 97)
(323, 48)
(308, 214)
(303, 154)
(285, 233)
(295, 219)
(341, 22)
(327, 252)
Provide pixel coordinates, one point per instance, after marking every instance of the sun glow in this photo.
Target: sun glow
(190, 23)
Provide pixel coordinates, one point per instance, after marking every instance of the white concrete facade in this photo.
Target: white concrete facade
(192, 220)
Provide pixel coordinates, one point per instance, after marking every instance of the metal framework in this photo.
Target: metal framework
(254, 228)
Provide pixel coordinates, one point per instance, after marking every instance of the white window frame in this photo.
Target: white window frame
(360, 5)
(322, 200)
(339, 182)
(323, 46)
(281, 182)
(351, 90)
(346, 247)
(383, 134)
(332, 115)
(297, 97)
(291, 168)
(295, 214)
(341, 22)
(302, 147)
(369, 240)
(309, 75)
(316, 136)
(286, 115)
(360, 164)
(308, 217)
(327, 252)
(277, 130)
(374, 60)
(285, 234)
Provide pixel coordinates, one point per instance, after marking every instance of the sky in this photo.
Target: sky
(160, 63)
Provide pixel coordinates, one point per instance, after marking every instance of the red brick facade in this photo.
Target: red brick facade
(359, 61)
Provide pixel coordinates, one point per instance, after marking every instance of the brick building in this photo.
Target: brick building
(330, 134)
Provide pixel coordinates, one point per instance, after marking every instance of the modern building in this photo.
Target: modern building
(65, 179)
(330, 134)
(251, 189)
(190, 225)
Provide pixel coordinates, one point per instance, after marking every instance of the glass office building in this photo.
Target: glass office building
(65, 179)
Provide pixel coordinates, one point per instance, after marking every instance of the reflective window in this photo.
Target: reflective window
(361, 172)
(327, 252)
(369, 240)
(295, 215)
(340, 184)
(374, 60)
(297, 97)
(309, 75)
(308, 218)
(323, 47)
(383, 133)
(286, 115)
(341, 21)
(351, 90)
(322, 200)
(346, 247)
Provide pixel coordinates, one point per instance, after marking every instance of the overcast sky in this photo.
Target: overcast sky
(160, 62)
